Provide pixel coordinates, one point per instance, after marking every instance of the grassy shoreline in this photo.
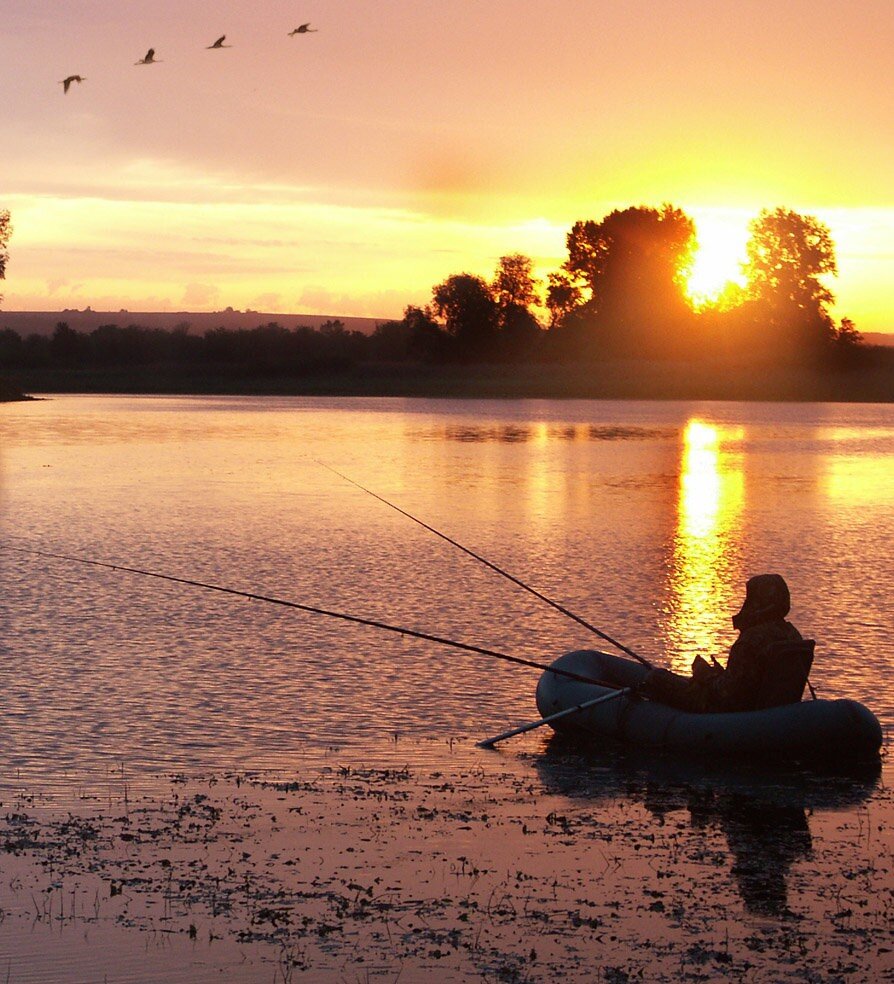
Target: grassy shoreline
(12, 394)
(610, 380)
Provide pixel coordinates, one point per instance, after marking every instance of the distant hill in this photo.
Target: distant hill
(44, 322)
(878, 337)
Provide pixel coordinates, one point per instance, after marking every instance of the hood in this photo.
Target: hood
(766, 598)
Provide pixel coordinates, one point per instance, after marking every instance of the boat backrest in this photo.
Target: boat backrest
(787, 667)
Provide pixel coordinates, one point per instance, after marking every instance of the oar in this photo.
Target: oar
(604, 699)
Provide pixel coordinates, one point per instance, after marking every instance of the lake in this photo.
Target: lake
(645, 518)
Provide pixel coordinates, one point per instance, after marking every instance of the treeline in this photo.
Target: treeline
(265, 350)
(620, 294)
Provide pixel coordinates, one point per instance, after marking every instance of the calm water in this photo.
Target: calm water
(645, 518)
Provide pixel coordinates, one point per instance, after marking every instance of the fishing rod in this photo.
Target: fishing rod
(499, 570)
(344, 616)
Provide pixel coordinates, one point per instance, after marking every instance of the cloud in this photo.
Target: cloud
(57, 284)
(200, 295)
(317, 299)
(363, 304)
(267, 302)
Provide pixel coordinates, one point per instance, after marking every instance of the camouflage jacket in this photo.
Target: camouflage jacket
(736, 688)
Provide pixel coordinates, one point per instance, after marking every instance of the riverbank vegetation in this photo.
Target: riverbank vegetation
(8, 392)
(614, 321)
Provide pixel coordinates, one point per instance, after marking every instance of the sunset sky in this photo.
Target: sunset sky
(348, 170)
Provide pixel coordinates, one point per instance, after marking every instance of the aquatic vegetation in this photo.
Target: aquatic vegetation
(395, 871)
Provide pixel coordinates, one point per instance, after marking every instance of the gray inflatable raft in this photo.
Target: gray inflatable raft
(813, 729)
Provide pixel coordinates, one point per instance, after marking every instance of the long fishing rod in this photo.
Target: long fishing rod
(499, 570)
(344, 616)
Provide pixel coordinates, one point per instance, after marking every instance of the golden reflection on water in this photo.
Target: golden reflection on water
(703, 581)
(857, 481)
(540, 489)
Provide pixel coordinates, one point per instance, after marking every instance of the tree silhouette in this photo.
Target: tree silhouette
(563, 295)
(68, 347)
(417, 337)
(470, 313)
(426, 341)
(787, 255)
(847, 347)
(847, 336)
(5, 232)
(515, 289)
(633, 265)
(514, 283)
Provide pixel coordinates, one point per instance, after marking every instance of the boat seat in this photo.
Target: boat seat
(787, 667)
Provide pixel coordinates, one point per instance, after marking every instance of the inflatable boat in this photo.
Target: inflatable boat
(843, 730)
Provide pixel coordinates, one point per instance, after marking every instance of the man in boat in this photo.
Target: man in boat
(750, 680)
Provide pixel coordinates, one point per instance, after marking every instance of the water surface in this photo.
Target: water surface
(645, 518)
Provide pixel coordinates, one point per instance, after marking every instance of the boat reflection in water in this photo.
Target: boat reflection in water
(763, 814)
(764, 839)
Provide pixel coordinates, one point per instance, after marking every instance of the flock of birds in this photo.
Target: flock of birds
(150, 59)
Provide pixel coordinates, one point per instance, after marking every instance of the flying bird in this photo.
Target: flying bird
(149, 59)
(219, 43)
(304, 29)
(66, 83)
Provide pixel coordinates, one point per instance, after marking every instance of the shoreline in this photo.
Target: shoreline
(617, 380)
(12, 394)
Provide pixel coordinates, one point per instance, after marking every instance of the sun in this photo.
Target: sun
(718, 260)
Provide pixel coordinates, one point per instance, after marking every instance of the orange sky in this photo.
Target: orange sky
(348, 170)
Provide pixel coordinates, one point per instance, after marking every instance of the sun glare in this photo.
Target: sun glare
(719, 258)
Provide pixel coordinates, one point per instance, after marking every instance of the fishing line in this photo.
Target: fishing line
(344, 616)
(499, 570)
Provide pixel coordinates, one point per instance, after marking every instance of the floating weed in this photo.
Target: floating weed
(369, 873)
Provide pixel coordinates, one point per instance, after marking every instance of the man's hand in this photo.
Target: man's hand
(703, 671)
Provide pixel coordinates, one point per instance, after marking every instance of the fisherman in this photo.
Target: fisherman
(750, 668)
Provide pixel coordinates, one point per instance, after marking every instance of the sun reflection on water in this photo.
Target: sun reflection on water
(703, 577)
(540, 484)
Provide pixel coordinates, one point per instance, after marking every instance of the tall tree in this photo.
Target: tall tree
(633, 265)
(470, 313)
(514, 283)
(787, 254)
(515, 289)
(563, 295)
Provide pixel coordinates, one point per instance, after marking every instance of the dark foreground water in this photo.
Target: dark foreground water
(645, 518)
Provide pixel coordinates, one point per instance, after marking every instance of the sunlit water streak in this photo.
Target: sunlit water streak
(703, 566)
(646, 518)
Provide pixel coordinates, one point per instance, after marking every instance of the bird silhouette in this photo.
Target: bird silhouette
(149, 59)
(304, 29)
(219, 43)
(66, 83)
